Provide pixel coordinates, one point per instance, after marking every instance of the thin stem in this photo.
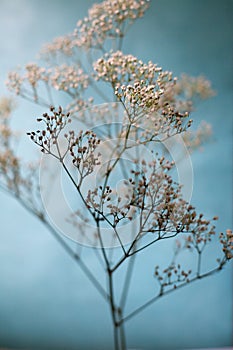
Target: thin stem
(199, 263)
(162, 293)
(65, 246)
(49, 94)
(108, 172)
(77, 187)
(120, 262)
(152, 242)
(77, 258)
(102, 245)
(113, 309)
(128, 277)
(121, 36)
(113, 227)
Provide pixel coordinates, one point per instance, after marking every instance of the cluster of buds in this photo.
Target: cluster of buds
(191, 87)
(108, 20)
(54, 124)
(143, 104)
(182, 93)
(70, 79)
(159, 201)
(156, 196)
(105, 201)
(143, 89)
(166, 122)
(150, 192)
(9, 162)
(201, 230)
(9, 170)
(172, 276)
(195, 139)
(60, 45)
(26, 83)
(6, 107)
(82, 109)
(20, 179)
(227, 244)
(139, 97)
(143, 193)
(14, 82)
(117, 69)
(5, 133)
(34, 73)
(83, 150)
(67, 78)
(93, 199)
(131, 78)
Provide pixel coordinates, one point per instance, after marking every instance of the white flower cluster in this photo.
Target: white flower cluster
(195, 139)
(184, 93)
(69, 78)
(145, 91)
(14, 82)
(139, 85)
(34, 73)
(11, 177)
(6, 107)
(61, 44)
(107, 20)
(139, 96)
(194, 87)
(18, 82)
(117, 69)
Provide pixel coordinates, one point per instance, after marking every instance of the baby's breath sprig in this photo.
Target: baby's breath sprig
(227, 243)
(83, 150)
(108, 20)
(54, 124)
(156, 106)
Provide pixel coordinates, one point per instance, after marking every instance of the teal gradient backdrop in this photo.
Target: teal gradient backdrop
(45, 302)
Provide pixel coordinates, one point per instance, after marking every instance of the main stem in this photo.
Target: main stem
(117, 320)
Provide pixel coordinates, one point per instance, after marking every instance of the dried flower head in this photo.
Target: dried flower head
(70, 79)
(227, 244)
(108, 19)
(118, 69)
(54, 124)
(83, 151)
(195, 139)
(60, 45)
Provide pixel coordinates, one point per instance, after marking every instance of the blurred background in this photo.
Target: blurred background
(45, 301)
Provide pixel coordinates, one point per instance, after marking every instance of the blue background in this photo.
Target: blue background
(45, 302)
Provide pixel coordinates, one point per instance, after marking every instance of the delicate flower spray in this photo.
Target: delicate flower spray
(119, 166)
